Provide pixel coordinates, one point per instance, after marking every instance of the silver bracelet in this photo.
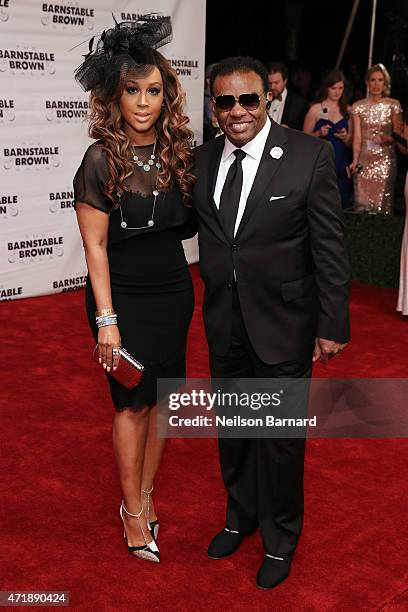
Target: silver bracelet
(106, 323)
(106, 320)
(105, 317)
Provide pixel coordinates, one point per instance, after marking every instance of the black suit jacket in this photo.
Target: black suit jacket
(294, 111)
(288, 254)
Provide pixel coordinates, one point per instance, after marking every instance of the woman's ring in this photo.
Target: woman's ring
(115, 351)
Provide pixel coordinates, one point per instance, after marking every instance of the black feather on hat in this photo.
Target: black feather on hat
(127, 45)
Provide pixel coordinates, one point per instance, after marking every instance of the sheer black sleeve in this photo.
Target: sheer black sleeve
(91, 177)
(191, 227)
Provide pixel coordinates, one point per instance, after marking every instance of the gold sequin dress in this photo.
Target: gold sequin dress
(374, 185)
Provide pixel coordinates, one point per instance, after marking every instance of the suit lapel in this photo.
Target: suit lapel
(214, 164)
(286, 108)
(212, 172)
(267, 168)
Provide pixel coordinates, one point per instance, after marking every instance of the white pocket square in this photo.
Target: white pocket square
(276, 198)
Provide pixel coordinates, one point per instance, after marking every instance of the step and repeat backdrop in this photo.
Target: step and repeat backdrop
(44, 132)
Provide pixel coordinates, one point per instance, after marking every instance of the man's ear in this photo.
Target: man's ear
(269, 96)
(212, 105)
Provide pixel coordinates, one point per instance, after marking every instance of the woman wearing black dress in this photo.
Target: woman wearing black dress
(132, 192)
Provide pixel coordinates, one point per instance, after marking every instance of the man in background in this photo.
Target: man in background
(210, 125)
(287, 108)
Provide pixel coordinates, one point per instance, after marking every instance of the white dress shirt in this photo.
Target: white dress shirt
(253, 149)
(277, 106)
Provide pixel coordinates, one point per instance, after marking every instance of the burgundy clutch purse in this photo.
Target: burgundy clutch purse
(129, 372)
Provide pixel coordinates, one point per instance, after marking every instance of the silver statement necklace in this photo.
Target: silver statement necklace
(146, 167)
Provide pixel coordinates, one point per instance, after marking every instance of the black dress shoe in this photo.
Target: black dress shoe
(272, 572)
(225, 543)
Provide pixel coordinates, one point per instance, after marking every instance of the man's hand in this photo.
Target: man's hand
(326, 349)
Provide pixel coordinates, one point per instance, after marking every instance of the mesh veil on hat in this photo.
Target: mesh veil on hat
(125, 46)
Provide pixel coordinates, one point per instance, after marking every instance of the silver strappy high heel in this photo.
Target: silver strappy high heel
(149, 551)
(153, 525)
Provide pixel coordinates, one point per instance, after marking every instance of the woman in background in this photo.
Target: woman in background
(375, 118)
(329, 119)
(131, 191)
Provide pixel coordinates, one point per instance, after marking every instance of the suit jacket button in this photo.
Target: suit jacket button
(229, 285)
(234, 247)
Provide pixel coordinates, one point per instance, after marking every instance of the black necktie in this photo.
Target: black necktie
(231, 193)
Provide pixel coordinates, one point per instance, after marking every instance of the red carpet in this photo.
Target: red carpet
(60, 494)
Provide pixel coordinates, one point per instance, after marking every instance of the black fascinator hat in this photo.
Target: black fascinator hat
(128, 46)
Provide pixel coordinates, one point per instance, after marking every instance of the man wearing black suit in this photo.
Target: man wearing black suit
(287, 108)
(276, 275)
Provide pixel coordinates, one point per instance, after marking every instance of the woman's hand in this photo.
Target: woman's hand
(378, 139)
(353, 167)
(108, 339)
(324, 130)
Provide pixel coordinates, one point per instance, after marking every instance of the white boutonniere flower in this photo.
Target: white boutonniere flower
(276, 152)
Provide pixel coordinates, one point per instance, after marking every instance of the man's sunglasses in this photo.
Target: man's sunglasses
(249, 101)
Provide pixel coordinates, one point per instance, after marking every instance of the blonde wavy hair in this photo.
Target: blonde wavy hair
(174, 138)
(387, 79)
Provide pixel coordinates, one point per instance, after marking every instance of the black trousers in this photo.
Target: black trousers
(263, 476)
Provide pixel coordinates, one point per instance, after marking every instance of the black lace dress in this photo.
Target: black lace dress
(152, 291)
